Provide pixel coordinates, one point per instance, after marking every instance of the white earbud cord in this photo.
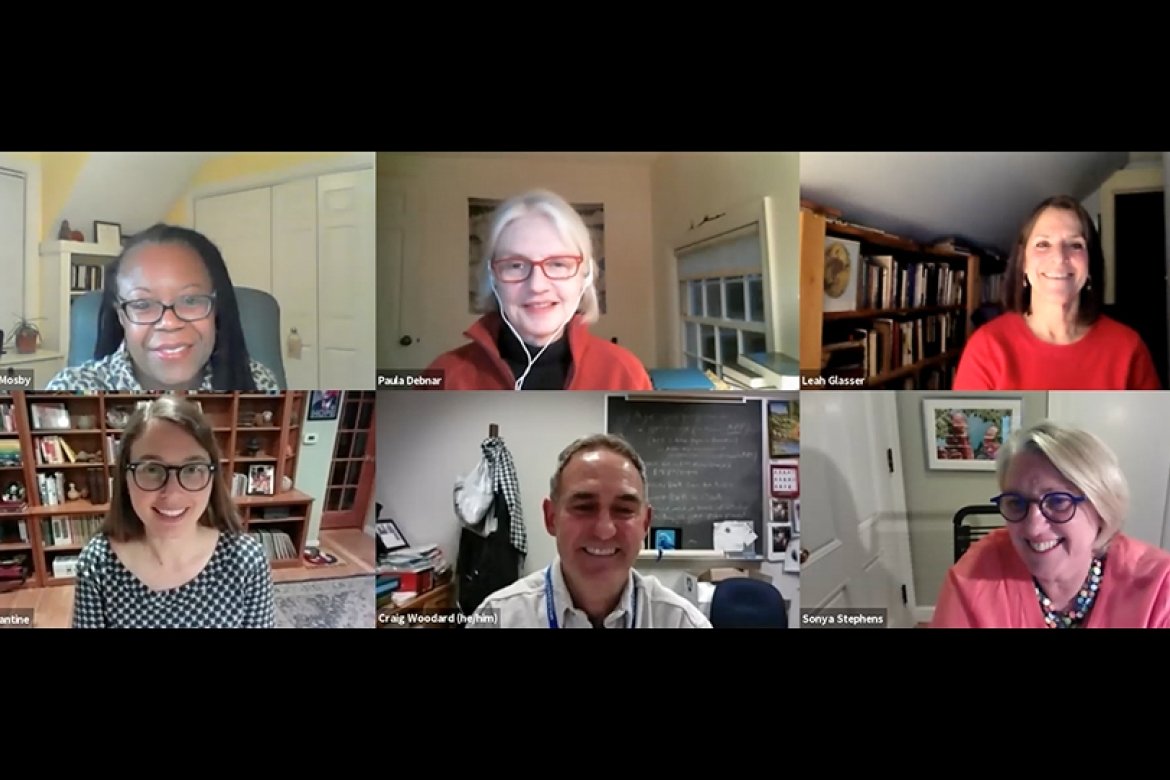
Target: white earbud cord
(532, 360)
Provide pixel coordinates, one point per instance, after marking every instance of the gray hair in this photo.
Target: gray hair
(598, 441)
(569, 225)
(1084, 460)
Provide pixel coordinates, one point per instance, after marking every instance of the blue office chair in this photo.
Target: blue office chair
(259, 317)
(742, 602)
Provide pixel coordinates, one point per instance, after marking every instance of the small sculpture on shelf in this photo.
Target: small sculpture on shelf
(14, 493)
(252, 447)
(72, 493)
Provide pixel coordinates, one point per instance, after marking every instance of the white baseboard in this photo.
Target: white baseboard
(923, 614)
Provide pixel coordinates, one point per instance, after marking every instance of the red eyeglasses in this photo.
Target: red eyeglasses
(517, 268)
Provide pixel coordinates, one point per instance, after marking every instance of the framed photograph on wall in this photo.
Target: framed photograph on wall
(785, 480)
(965, 434)
(324, 404)
(784, 429)
(779, 539)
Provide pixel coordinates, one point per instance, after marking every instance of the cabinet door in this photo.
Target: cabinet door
(240, 224)
(294, 276)
(346, 279)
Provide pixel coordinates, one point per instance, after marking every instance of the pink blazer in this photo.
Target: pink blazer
(989, 587)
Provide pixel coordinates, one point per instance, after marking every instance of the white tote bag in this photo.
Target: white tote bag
(473, 496)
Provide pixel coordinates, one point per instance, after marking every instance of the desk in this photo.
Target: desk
(441, 597)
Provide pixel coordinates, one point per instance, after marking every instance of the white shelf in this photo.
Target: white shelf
(14, 358)
(79, 248)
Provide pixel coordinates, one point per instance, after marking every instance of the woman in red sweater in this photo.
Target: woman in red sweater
(536, 287)
(1053, 335)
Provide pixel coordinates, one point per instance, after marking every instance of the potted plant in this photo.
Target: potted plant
(26, 336)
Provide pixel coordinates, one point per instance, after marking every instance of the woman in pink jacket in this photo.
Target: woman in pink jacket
(1062, 561)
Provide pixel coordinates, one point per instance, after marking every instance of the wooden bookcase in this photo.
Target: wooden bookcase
(252, 429)
(929, 369)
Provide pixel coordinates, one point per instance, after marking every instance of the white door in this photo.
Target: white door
(1129, 423)
(853, 505)
(346, 279)
(294, 277)
(400, 340)
(240, 224)
(12, 243)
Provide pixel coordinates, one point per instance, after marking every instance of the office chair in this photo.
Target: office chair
(742, 602)
(259, 317)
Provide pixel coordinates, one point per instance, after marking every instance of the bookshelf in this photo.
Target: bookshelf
(909, 321)
(58, 450)
(68, 269)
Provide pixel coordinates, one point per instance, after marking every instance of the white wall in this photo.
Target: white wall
(313, 466)
(435, 299)
(426, 440)
(688, 187)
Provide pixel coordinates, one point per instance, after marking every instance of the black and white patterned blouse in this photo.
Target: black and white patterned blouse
(115, 373)
(234, 590)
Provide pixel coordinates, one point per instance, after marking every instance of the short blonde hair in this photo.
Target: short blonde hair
(568, 224)
(1084, 460)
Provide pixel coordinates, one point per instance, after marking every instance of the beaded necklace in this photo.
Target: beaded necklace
(1075, 614)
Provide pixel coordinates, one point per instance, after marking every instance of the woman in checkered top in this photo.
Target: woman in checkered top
(172, 552)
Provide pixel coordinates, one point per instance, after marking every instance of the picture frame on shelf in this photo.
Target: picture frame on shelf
(663, 538)
(107, 234)
(261, 480)
(390, 536)
(965, 434)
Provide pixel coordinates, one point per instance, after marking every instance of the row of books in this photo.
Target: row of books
(889, 283)
(90, 484)
(892, 344)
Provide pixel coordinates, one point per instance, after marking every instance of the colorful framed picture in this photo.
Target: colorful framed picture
(965, 434)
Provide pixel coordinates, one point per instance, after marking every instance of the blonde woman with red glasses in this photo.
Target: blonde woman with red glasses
(538, 297)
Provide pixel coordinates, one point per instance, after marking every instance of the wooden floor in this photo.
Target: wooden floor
(53, 607)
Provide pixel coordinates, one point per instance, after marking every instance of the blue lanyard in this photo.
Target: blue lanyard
(549, 602)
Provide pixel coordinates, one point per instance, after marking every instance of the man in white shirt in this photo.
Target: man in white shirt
(598, 512)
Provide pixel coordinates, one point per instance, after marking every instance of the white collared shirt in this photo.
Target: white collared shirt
(523, 604)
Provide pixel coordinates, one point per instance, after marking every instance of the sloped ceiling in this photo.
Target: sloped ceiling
(133, 189)
(981, 196)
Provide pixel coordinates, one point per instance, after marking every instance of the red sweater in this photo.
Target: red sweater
(596, 364)
(1004, 354)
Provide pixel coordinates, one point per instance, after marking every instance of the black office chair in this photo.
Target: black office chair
(743, 602)
(966, 535)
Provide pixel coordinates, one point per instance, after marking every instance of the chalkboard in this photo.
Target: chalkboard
(704, 462)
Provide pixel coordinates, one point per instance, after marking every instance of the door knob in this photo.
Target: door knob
(406, 341)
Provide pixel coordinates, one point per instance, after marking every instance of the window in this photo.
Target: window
(721, 296)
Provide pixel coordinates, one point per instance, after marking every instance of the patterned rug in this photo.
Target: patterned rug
(346, 602)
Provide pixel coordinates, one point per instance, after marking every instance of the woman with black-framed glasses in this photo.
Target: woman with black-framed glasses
(1062, 560)
(172, 552)
(168, 321)
(537, 292)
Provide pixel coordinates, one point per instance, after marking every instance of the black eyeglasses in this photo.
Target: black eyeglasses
(1058, 507)
(188, 308)
(152, 476)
